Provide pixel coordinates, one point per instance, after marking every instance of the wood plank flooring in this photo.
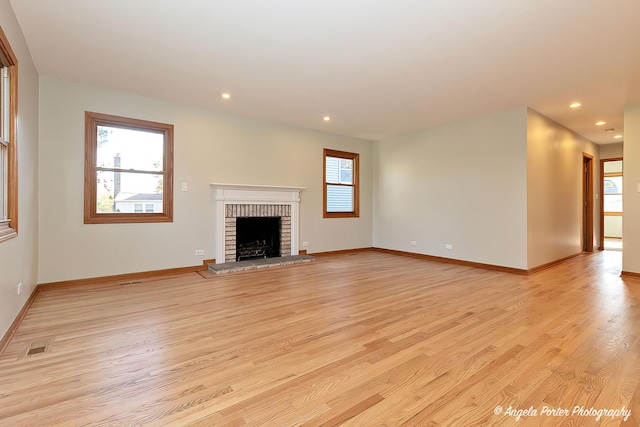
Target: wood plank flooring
(364, 339)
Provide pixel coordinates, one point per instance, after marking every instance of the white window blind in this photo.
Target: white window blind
(339, 198)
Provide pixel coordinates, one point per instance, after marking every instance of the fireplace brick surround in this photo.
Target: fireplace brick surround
(232, 212)
(238, 200)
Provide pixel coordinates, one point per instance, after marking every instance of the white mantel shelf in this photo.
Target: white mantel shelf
(257, 187)
(232, 194)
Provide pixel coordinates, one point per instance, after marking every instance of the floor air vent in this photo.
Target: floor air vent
(36, 350)
(38, 346)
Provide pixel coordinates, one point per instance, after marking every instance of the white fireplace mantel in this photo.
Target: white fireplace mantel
(242, 194)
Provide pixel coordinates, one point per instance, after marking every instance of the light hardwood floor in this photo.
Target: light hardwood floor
(363, 339)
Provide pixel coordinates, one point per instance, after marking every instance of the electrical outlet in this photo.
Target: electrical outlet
(199, 252)
(19, 288)
(448, 246)
(413, 243)
(305, 244)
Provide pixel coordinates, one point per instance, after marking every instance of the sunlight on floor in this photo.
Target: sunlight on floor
(612, 244)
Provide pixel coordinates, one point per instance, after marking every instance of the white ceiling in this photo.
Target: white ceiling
(377, 67)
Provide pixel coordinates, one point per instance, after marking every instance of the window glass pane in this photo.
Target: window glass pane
(3, 180)
(129, 149)
(148, 207)
(119, 192)
(346, 171)
(5, 102)
(4, 139)
(612, 185)
(610, 167)
(339, 170)
(613, 202)
(339, 198)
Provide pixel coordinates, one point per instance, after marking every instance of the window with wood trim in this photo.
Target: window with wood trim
(128, 165)
(8, 140)
(341, 184)
(612, 193)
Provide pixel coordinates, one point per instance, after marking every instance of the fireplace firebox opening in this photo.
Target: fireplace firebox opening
(257, 237)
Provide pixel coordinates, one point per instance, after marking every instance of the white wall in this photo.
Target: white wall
(462, 184)
(19, 256)
(613, 226)
(631, 214)
(209, 148)
(611, 151)
(554, 190)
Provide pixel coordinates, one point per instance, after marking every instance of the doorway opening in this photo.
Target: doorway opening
(611, 204)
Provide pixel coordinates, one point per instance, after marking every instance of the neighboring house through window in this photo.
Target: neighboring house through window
(613, 193)
(8, 140)
(140, 202)
(128, 170)
(341, 184)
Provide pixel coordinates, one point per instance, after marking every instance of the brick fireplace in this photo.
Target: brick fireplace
(233, 212)
(235, 201)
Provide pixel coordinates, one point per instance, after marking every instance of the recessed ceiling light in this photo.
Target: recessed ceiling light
(226, 96)
(600, 123)
(326, 118)
(618, 136)
(575, 105)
